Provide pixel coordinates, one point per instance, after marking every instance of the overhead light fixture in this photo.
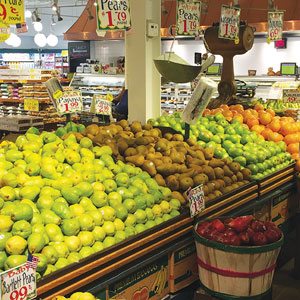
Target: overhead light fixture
(35, 16)
(90, 16)
(54, 5)
(40, 40)
(17, 42)
(53, 23)
(28, 14)
(52, 40)
(38, 26)
(95, 3)
(13, 40)
(59, 17)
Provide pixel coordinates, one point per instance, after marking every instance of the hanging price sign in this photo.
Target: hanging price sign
(70, 102)
(31, 104)
(101, 105)
(113, 14)
(18, 283)
(229, 23)
(275, 24)
(12, 12)
(196, 200)
(291, 95)
(188, 17)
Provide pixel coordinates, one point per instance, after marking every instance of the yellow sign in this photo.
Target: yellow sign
(4, 32)
(64, 53)
(109, 97)
(57, 94)
(22, 81)
(31, 104)
(12, 12)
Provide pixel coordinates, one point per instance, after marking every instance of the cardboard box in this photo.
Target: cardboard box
(283, 208)
(148, 282)
(183, 267)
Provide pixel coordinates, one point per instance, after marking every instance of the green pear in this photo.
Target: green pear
(61, 248)
(49, 171)
(36, 181)
(21, 228)
(50, 191)
(50, 217)
(5, 223)
(86, 251)
(61, 182)
(73, 243)
(62, 210)
(86, 143)
(85, 188)
(87, 238)
(9, 179)
(77, 210)
(5, 165)
(14, 261)
(120, 236)
(29, 192)
(13, 155)
(50, 269)
(74, 257)
(109, 241)
(54, 233)
(38, 228)
(98, 246)
(72, 195)
(32, 158)
(4, 236)
(99, 233)
(97, 216)
(36, 242)
(31, 204)
(62, 262)
(44, 202)
(36, 219)
(33, 169)
(22, 212)
(119, 224)
(70, 227)
(49, 137)
(42, 263)
(51, 254)
(3, 258)
(99, 199)
(20, 141)
(7, 193)
(72, 157)
(15, 245)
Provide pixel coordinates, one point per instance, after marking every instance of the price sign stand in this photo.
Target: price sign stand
(188, 17)
(275, 25)
(229, 23)
(195, 197)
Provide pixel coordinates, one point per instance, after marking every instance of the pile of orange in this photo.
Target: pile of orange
(266, 124)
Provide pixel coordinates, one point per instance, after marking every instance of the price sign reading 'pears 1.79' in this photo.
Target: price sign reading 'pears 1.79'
(12, 12)
(229, 22)
(188, 17)
(113, 14)
(275, 25)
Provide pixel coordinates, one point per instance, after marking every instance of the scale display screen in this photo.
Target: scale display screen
(214, 69)
(288, 68)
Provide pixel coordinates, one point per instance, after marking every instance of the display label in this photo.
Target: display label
(229, 23)
(20, 283)
(275, 25)
(101, 105)
(4, 32)
(70, 102)
(113, 14)
(188, 17)
(31, 104)
(291, 96)
(196, 200)
(12, 12)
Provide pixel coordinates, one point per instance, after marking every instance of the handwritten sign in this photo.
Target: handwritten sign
(188, 17)
(70, 102)
(18, 283)
(4, 32)
(101, 105)
(291, 95)
(12, 12)
(275, 25)
(31, 104)
(196, 200)
(229, 22)
(113, 14)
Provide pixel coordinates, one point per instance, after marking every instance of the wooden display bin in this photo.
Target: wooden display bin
(148, 282)
(183, 267)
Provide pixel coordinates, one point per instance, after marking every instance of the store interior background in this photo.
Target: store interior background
(260, 58)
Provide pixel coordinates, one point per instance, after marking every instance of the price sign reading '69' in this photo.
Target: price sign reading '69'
(70, 102)
(188, 17)
(229, 22)
(113, 14)
(275, 22)
(12, 12)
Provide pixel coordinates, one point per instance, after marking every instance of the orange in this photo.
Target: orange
(275, 137)
(258, 107)
(266, 133)
(293, 148)
(295, 156)
(271, 112)
(206, 112)
(274, 125)
(252, 122)
(258, 128)
(265, 118)
(238, 117)
(224, 107)
(292, 138)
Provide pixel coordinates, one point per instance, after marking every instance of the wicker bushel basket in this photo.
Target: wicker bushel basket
(234, 272)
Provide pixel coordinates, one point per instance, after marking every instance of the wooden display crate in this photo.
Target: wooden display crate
(183, 267)
(148, 282)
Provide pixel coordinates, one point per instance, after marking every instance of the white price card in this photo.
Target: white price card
(275, 25)
(196, 200)
(229, 23)
(112, 14)
(102, 106)
(188, 17)
(69, 102)
(19, 283)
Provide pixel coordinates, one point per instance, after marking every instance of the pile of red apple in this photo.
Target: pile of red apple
(240, 231)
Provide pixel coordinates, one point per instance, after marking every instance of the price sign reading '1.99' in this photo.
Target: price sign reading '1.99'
(196, 200)
(19, 283)
(70, 102)
(275, 23)
(113, 14)
(229, 22)
(12, 12)
(188, 17)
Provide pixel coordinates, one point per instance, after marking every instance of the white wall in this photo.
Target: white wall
(107, 51)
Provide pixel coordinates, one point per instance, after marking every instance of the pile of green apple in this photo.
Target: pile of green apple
(63, 201)
(236, 141)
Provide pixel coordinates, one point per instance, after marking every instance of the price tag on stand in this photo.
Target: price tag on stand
(291, 95)
(275, 25)
(12, 12)
(69, 102)
(113, 15)
(229, 23)
(101, 106)
(19, 283)
(31, 104)
(188, 17)
(195, 197)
